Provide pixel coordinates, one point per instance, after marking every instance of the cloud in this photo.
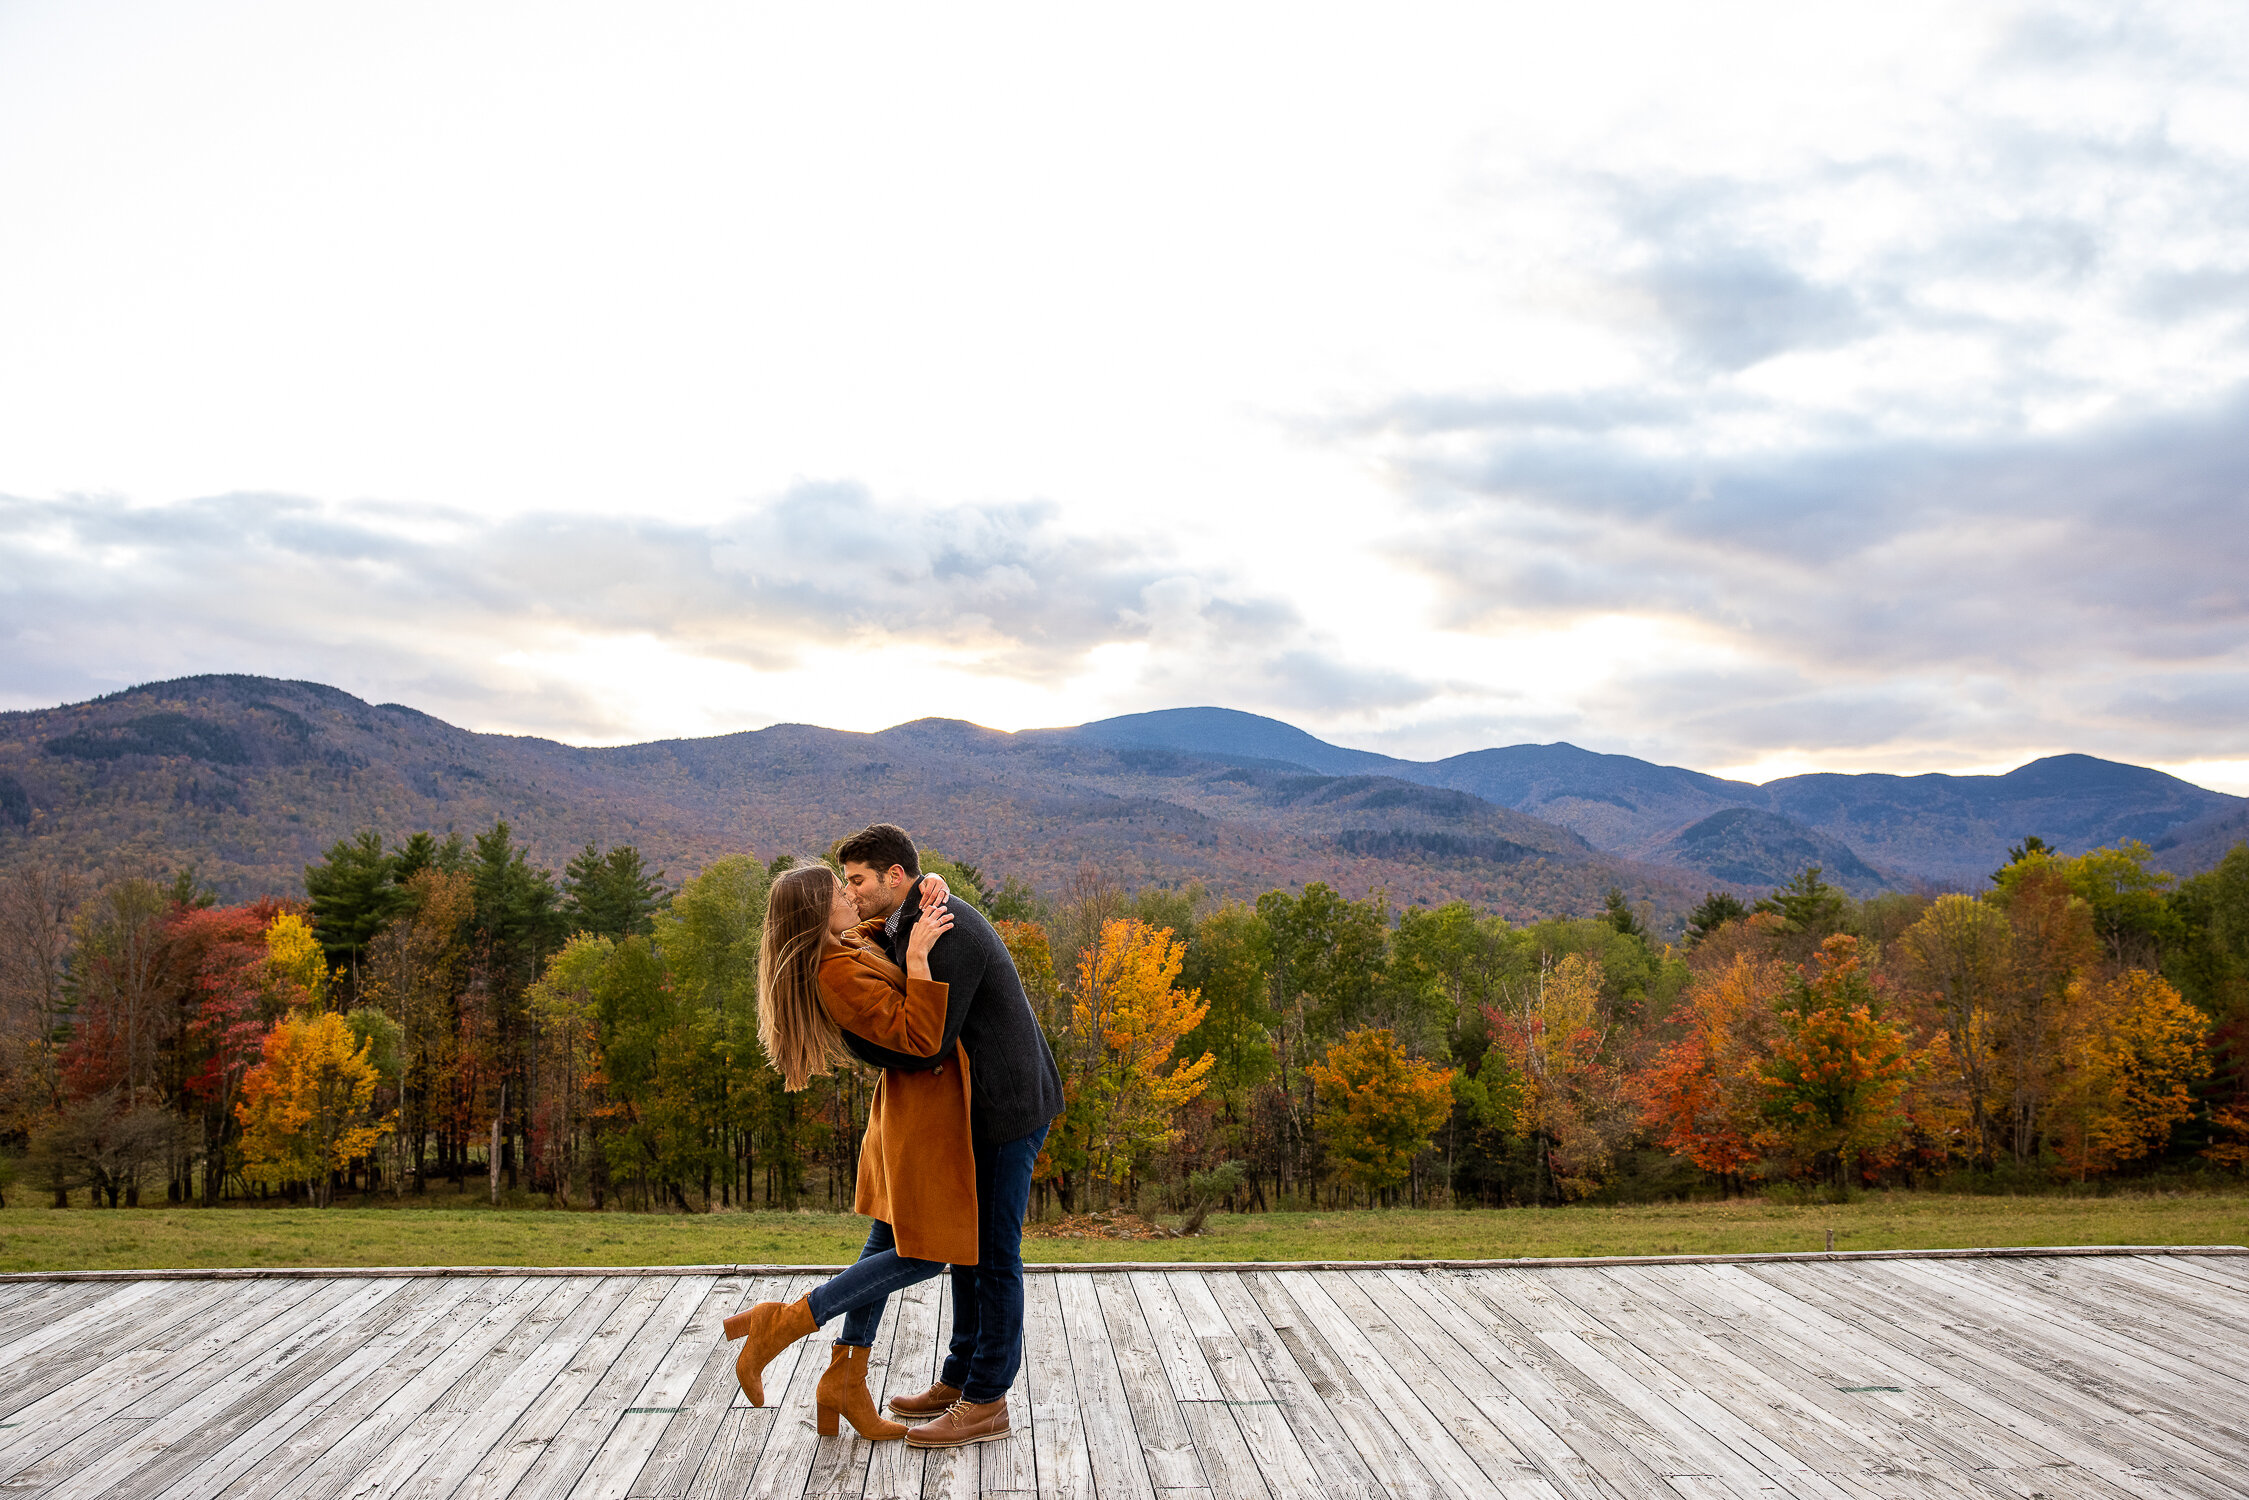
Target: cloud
(483, 617)
(2093, 586)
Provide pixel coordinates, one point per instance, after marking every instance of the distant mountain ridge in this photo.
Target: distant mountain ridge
(251, 778)
(1928, 829)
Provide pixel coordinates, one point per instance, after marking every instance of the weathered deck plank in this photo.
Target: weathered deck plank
(1165, 1443)
(2078, 1435)
(2119, 1377)
(1227, 1462)
(169, 1433)
(2202, 1422)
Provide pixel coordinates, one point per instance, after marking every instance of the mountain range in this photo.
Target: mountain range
(250, 778)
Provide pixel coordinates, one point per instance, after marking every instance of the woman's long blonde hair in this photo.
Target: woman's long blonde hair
(800, 1037)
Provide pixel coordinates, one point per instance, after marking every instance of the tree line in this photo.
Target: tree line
(442, 1010)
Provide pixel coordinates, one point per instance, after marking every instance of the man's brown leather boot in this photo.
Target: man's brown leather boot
(964, 1422)
(929, 1403)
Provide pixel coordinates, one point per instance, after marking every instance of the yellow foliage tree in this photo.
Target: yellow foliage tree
(1377, 1108)
(1961, 954)
(2131, 1053)
(295, 965)
(1128, 997)
(306, 1107)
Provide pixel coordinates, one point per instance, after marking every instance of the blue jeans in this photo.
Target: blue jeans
(860, 1289)
(987, 1347)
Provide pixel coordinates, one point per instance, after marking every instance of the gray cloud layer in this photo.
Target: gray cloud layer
(419, 603)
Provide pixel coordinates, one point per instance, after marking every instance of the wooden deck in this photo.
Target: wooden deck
(2113, 1375)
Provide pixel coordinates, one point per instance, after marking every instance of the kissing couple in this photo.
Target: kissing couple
(885, 966)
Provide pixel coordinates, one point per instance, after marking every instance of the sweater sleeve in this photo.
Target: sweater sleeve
(867, 1004)
(957, 963)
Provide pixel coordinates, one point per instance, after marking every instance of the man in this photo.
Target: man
(1015, 1091)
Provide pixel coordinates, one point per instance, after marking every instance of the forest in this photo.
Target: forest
(442, 1010)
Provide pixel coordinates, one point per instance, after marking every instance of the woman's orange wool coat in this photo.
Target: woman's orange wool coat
(917, 1166)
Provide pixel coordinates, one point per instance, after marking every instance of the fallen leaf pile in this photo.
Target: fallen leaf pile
(1110, 1224)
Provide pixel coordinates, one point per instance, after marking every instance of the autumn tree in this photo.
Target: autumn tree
(2052, 943)
(1554, 1032)
(1961, 953)
(122, 1058)
(1703, 1096)
(307, 1107)
(1838, 1071)
(1127, 1015)
(2126, 893)
(2131, 1053)
(570, 1092)
(224, 964)
(37, 904)
(1378, 1108)
(296, 964)
(415, 971)
(126, 1015)
(1324, 962)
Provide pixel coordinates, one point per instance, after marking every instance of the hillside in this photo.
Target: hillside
(251, 778)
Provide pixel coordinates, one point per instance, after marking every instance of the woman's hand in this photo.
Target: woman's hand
(933, 925)
(934, 891)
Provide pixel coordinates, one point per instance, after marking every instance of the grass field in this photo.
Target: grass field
(46, 1239)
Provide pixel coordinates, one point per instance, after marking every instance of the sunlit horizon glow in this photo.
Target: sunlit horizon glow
(1751, 388)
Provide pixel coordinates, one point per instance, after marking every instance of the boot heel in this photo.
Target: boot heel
(828, 1416)
(735, 1326)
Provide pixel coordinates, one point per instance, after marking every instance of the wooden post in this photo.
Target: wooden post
(493, 1165)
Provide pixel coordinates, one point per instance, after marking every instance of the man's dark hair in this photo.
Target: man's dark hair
(879, 846)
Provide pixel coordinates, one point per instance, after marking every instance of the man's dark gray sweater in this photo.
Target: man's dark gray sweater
(1014, 1087)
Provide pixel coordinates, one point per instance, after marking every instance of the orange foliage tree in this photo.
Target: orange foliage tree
(1377, 1108)
(1838, 1073)
(1703, 1096)
(2229, 1144)
(306, 1107)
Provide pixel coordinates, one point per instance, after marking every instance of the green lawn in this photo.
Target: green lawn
(39, 1239)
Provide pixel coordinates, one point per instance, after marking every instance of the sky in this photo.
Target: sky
(1757, 388)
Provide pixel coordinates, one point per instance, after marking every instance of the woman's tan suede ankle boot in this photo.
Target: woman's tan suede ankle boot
(768, 1328)
(843, 1393)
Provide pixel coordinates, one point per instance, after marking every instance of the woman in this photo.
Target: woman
(821, 973)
